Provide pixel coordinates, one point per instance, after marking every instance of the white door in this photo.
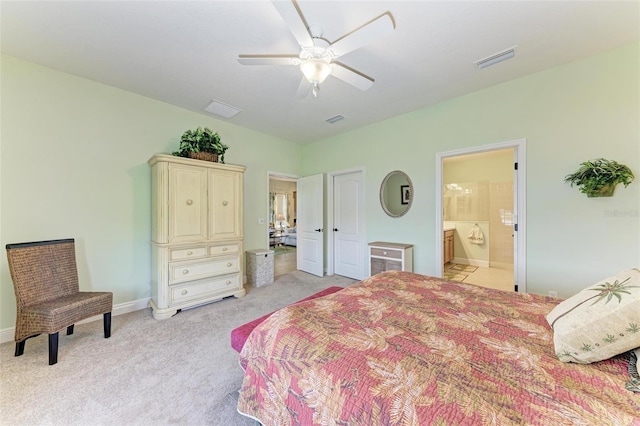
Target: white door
(348, 225)
(310, 250)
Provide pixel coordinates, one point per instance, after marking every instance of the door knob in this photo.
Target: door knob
(335, 229)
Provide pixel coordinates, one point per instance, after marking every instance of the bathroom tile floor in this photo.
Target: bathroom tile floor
(498, 278)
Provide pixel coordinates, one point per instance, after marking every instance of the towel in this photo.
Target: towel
(475, 235)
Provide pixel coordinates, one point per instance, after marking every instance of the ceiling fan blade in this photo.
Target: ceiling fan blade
(351, 76)
(269, 59)
(303, 89)
(293, 17)
(366, 34)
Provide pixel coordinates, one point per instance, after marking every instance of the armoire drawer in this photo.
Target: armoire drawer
(231, 248)
(189, 271)
(203, 289)
(187, 253)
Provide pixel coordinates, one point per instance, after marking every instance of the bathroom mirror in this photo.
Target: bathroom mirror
(396, 193)
(279, 210)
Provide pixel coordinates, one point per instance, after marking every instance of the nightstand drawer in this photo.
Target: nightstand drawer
(394, 254)
(204, 289)
(180, 272)
(187, 253)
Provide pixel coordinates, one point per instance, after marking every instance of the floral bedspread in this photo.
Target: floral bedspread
(406, 349)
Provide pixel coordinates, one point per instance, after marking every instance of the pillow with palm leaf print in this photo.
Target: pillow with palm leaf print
(599, 322)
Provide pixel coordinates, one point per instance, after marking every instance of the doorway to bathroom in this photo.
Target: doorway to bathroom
(282, 218)
(481, 198)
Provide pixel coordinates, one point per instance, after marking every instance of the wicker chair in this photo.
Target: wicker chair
(45, 280)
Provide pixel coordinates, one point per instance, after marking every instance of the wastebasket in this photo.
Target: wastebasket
(260, 267)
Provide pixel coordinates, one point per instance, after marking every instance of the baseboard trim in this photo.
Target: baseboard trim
(472, 262)
(7, 334)
(501, 265)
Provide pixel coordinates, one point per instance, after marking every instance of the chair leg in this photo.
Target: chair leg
(70, 330)
(107, 325)
(53, 348)
(20, 347)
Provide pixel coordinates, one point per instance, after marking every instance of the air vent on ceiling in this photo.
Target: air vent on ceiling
(334, 119)
(222, 109)
(496, 58)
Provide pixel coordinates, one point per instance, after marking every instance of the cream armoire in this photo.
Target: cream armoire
(196, 233)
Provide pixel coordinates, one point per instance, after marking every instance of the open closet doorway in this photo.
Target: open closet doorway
(281, 216)
(480, 225)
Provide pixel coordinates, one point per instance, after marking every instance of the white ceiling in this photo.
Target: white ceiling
(184, 52)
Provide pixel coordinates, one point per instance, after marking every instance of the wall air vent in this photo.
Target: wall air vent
(221, 109)
(496, 58)
(334, 119)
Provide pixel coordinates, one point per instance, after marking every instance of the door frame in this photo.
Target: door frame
(281, 176)
(520, 204)
(330, 219)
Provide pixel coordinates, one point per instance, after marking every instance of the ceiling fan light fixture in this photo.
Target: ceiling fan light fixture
(315, 70)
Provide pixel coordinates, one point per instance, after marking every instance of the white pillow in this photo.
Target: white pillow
(599, 322)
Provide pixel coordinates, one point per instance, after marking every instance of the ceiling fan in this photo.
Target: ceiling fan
(317, 57)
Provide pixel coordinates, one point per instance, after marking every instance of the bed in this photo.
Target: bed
(291, 237)
(407, 349)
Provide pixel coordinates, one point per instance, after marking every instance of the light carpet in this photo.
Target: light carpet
(180, 371)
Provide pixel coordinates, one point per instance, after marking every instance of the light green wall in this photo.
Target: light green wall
(74, 164)
(579, 111)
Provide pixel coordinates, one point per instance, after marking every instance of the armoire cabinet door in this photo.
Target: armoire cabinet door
(187, 203)
(225, 204)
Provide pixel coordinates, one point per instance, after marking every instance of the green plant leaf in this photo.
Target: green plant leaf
(593, 175)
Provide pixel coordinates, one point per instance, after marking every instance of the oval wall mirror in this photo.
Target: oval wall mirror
(396, 193)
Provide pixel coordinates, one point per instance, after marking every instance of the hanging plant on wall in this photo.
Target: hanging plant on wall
(599, 177)
(202, 144)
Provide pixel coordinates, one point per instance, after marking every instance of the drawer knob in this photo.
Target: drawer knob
(189, 253)
(229, 264)
(224, 249)
(185, 271)
(228, 282)
(189, 202)
(184, 292)
(225, 202)
(384, 252)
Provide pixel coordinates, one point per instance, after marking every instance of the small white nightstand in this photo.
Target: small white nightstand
(390, 257)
